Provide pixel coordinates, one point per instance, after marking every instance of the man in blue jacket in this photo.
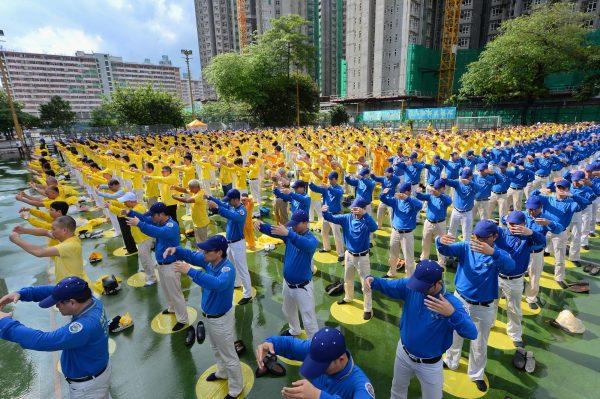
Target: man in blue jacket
(364, 186)
(435, 224)
(298, 198)
(390, 181)
(332, 197)
(298, 291)
(217, 278)
(327, 365)
(430, 316)
(357, 227)
(158, 224)
(83, 342)
(480, 262)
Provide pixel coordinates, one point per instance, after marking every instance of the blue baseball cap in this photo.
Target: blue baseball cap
(590, 167)
(414, 155)
(364, 172)
(533, 202)
(485, 228)
(503, 164)
(298, 216)
(359, 202)
(546, 151)
(157, 207)
(577, 175)
(516, 217)
(482, 166)
(404, 187)
(67, 288)
(563, 183)
(470, 152)
(326, 345)
(466, 173)
(298, 183)
(439, 183)
(214, 243)
(389, 170)
(333, 175)
(234, 193)
(437, 157)
(427, 273)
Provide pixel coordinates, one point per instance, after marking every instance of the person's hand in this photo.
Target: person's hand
(465, 181)
(124, 212)
(24, 209)
(205, 196)
(447, 239)
(542, 221)
(369, 281)
(358, 211)
(169, 251)
(212, 205)
(280, 230)
(545, 191)
(481, 247)
(325, 208)
(401, 196)
(3, 315)
(9, 298)
(439, 305)
(182, 267)
(134, 221)
(257, 224)
(302, 389)
(520, 229)
(261, 351)
(14, 235)
(19, 229)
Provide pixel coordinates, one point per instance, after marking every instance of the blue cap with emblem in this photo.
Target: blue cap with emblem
(414, 155)
(404, 187)
(214, 243)
(439, 183)
(482, 166)
(485, 228)
(67, 288)
(234, 193)
(298, 183)
(157, 207)
(466, 173)
(326, 345)
(516, 217)
(426, 274)
(578, 175)
(389, 170)
(533, 202)
(299, 216)
(359, 202)
(564, 183)
(333, 175)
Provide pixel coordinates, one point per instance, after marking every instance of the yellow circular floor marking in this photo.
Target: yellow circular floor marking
(584, 251)
(498, 338)
(112, 347)
(290, 361)
(458, 383)
(259, 246)
(122, 252)
(265, 239)
(163, 323)
(547, 281)
(549, 260)
(351, 313)
(527, 311)
(109, 233)
(219, 388)
(384, 232)
(238, 294)
(325, 257)
(138, 279)
(186, 218)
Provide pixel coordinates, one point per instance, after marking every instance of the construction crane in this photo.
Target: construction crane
(449, 46)
(241, 20)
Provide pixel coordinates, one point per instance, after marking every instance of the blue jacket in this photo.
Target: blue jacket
(437, 206)
(332, 196)
(434, 171)
(364, 187)
(502, 181)
(389, 182)
(453, 168)
(297, 201)
(349, 383)
(425, 333)
(520, 177)
(83, 342)
(484, 185)
(477, 274)
(357, 232)
(519, 247)
(464, 194)
(412, 171)
(217, 282)
(404, 216)
(299, 251)
(167, 235)
(236, 218)
(559, 211)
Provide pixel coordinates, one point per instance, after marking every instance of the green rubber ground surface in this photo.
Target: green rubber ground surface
(150, 365)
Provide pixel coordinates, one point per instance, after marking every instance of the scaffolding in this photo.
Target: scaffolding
(242, 28)
(449, 47)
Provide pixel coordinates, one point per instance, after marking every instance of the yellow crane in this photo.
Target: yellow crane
(449, 46)
(241, 19)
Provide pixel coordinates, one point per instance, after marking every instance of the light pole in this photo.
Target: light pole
(11, 105)
(186, 54)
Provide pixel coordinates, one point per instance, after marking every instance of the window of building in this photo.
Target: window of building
(494, 25)
(592, 5)
(414, 23)
(467, 3)
(465, 29)
(463, 42)
(465, 15)
(496, 11)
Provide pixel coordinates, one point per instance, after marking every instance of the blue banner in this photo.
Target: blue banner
(431, 113)
(384, 115)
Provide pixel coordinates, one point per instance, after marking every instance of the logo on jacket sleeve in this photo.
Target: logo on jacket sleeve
(75, 327)
(370, 389)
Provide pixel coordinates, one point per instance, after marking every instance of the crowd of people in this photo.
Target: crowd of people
(491, 202)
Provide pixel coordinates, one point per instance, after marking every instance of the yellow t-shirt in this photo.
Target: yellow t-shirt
(69, 262)
(164, 186)
(199, 210)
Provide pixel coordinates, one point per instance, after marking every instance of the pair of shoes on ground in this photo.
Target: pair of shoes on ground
(366, 315)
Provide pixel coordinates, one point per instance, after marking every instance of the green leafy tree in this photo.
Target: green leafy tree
(146, 106)
(339, 116)
(103, 115)
(6, 122)
(225, 111)
(57, 113)
(271, 76)
(529, 48)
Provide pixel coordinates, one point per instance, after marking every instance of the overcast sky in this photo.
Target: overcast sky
(132, 29)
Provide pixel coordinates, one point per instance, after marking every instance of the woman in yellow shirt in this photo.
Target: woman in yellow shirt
(199, 208)
(165, 182)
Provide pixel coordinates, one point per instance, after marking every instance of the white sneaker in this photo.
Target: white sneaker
(149, 283)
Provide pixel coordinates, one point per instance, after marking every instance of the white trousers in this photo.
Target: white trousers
(536, 265)
(255, 191)
(430, 232)
(557, 243)
(337, 237)
(501, 202)
(146, 261)
(362, 264)
(430, 376)
(588, 224)
(515, 197)
(314, 212)
(465, 220)
(300, 300)
(206, 186)
(96, 388)
(576, 231)
(483, 317)
(406, 243)
(170, 281)
(221, 335)
(236, 252)
(482, 209)
(513, 291)
(382, 209)
(528, 189)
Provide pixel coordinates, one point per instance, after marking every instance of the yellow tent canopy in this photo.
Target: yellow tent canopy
(195, 124)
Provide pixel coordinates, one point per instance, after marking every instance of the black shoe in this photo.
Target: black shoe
(519, 344)
(286, 333)
(323, 250)
(190, 336)
(592, 235)
(244, 301)
(131, 253)
(576, 263)
(533, 306)
(546, 253)
(228, 396)
(342, 302)
(239, 287)
(167, 311)
(200, 332)
(562, 285)
(178, 326)
(340, 258)
(367, 315)
(481, 385)
(568, 250)
(586, 247)
(386, 276)
(371, 245)
(213, 377)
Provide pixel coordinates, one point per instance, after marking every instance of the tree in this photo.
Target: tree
(103, 115)
(6, 122)
(57, 113)
(339, 116)
(529, 48)
(145, 106)
(225, 112)
(271, 75)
